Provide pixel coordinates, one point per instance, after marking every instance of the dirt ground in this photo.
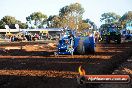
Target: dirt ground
(35, 66)
(125, 68)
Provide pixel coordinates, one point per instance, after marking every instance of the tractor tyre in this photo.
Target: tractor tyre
(119, 40)
(80, 48)
(107, 39)
(92, 49)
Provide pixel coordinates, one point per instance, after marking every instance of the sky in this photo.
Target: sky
(20, 9)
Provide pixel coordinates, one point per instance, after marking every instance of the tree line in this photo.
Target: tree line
(69, 16)
(113, 18)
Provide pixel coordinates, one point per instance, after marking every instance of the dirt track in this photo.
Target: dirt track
(36, 67)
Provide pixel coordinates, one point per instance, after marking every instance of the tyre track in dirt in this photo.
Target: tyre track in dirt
(31, 72)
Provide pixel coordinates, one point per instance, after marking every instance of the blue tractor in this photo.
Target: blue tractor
(70, 44)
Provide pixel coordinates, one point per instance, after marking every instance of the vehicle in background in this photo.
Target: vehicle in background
(127, 34)
(111, 33)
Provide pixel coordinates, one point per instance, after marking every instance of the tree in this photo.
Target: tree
(64, 11)
(83, 26)
(91, 24)
(38, 19)
(54, 21)
(125, 18)
(71, 15)
(2, 24)
(49, 21)
(109, 17)
(11, 21)
(8, 20)
(22, 25)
